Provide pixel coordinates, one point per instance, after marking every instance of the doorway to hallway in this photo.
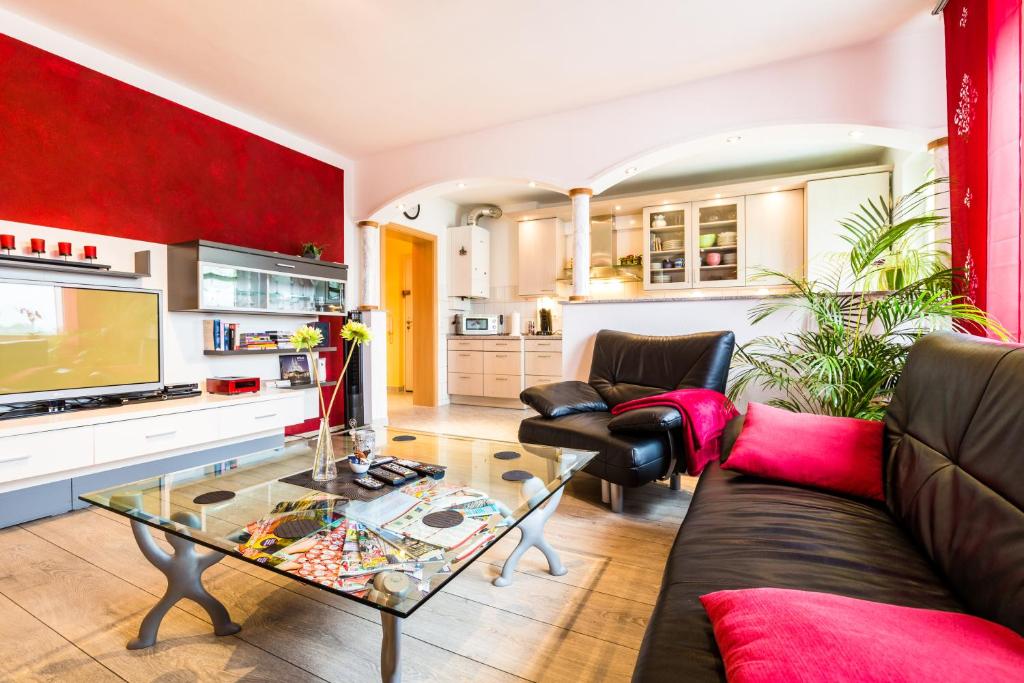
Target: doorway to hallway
(409, 290)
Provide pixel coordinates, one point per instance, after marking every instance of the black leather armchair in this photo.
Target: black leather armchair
(638, 446)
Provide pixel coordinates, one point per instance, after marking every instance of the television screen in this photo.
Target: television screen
(59, 341)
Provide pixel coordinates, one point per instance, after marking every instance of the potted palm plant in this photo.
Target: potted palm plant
(894, 285)
(307, 339)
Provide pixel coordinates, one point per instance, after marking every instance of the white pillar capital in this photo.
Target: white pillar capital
(369, 276)
(581, 242)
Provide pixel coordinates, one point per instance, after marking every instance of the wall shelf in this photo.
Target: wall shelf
(142, 266)
(257, 352)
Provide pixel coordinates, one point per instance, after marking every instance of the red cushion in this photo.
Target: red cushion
(772, 634)
(841, 454)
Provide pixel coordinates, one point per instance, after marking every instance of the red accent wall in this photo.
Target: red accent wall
(84, 151)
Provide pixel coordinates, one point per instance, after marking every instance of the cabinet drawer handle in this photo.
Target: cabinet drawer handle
(14, 458)
(264, 417)
(501, 355)
(501, 379)
(160, 434)
(543, 355)
(465, 355)
(284, 265)
(464, 377)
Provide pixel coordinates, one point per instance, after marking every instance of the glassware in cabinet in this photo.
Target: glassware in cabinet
(666, 231)
(719, 243)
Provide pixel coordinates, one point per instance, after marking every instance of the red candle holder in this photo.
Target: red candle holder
(7, 243)
(38, 246)
(90, 253)
(64, 249)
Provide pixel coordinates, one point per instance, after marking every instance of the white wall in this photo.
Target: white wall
(895, 82)
(584, 320)
(183, 356)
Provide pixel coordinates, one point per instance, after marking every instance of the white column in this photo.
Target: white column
(369, 276)
(581, 242)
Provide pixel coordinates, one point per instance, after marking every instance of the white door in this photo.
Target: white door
(775, 235)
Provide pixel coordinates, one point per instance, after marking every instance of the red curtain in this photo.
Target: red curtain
(984, 102)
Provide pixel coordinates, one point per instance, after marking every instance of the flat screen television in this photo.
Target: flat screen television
(61, 341)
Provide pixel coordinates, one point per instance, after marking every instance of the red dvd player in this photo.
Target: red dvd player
(232, 385)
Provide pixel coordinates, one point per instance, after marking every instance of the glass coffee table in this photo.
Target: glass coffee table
(390, 548)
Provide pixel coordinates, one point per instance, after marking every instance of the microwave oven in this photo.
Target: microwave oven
(466, 323)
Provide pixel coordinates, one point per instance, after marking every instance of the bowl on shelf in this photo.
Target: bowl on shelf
(672, 244)
(660, 278)
(713, 258)
(708, 240)
(729, 258)
(655, 265)
(727, 238)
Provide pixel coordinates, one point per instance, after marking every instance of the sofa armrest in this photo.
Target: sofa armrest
(652, 419)
(563, 398)
(729, 436)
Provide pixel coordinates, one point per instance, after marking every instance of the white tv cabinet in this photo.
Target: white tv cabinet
(47, 460)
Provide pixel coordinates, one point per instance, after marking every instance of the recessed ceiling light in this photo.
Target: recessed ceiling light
(532, 184)
(733, 139)
(718, 195)
(856, 134)
(527, 218)
(461, 186)
(775, 188)
(633, 222)
(631, 170)
(618, 208)
(664, 202)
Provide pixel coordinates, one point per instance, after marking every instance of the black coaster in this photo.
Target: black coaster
(517, 475)
(506, 455)
(296, 528)
(213, 497)
(404, 437)
(443, 519)
(339, 486)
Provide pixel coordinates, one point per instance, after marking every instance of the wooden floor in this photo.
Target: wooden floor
(74, 588)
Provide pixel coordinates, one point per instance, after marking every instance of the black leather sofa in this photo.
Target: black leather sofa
(638, 446)
(950, 535)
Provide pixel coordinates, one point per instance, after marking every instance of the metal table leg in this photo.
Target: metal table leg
(391, 649)
(184, 570)
(532, 536)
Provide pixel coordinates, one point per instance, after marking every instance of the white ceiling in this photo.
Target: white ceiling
(362, 76)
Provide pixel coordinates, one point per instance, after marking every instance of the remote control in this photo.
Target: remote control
(398, 469)
(434, 471)
(387, 477)
(368, 483)
(383, 459)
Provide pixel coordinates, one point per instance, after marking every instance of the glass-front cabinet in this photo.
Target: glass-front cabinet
(719, 246)
(696, 244)
(207, 276)
(666, 246)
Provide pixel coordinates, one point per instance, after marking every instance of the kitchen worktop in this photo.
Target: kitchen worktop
(681, 298)
(504, 336)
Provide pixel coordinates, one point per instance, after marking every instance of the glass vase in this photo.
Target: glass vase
(324, 467)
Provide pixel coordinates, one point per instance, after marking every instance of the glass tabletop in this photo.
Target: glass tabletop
(390, 548)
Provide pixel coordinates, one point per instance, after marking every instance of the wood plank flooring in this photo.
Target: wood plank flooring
(74, 588)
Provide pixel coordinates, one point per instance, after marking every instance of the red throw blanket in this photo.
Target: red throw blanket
(705, 413)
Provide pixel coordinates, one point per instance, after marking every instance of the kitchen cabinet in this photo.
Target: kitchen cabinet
(666, 241)
(469, 262)
(829, 201)
(774, 235)
(493, 371)
(541, 254)
(718, 243)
